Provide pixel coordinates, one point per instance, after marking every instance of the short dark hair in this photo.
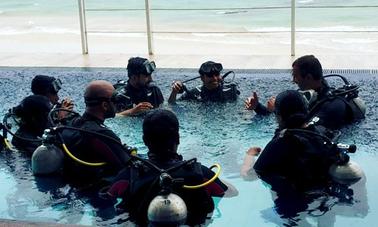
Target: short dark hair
(43, 85)
(160, 130)
(291, 106)
(309, 64)
(136, 66)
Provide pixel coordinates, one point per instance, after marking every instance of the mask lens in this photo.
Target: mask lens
(218, 67)
(149, 66)
(211, 69)
(57, 85)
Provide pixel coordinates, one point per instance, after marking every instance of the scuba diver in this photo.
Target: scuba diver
(213, 88)
(44, 88)
(100, 97)
(300, 158)
(32, 115)
(335, 107)
(164, 176)
(142, 93)
(49, 87)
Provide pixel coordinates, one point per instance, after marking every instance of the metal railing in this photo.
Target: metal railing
(149, 32)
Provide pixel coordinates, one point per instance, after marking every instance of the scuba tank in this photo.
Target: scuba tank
(344, 171)
(47, 158)
(156, 195)
(349, 92)
(336, 156)
(167, 208)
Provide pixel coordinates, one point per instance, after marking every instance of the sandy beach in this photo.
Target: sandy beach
(257, 50)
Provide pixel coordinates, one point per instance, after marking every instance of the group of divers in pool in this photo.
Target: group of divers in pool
(303, 154)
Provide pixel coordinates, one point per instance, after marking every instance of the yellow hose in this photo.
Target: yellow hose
(7, 144)
(207, 182)
(81, 161)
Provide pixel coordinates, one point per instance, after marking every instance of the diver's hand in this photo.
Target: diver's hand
(270, 104)
(252, 102)
(177, 87)
(67, 103)
(141, 107)
(246, 170)
(255, 151)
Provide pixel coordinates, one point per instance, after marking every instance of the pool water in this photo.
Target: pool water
(219, 133)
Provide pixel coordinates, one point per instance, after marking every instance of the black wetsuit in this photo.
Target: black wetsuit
(139, 185)
(295, 161)
(151, 94)
(223, 93)
(333, 112)
(92, 148)
(28, 146)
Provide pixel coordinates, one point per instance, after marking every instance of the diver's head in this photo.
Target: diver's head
(100, 98)
(307, 72)
(291, 109)
(33, 112)
(47, 86)
(210, 74)
(139, 71)
(161, 133)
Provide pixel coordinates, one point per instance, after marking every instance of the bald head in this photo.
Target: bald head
(97, 98)
(99, 89)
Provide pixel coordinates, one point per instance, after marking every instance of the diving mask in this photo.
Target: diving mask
(56, 85)
(210, 68)
(149, 67)
(310, 96)
(116, 97)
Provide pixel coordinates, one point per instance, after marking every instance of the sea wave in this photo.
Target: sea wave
(30, 27)
(36, 29)
(313, 29)
(305, 1)
(232, 12)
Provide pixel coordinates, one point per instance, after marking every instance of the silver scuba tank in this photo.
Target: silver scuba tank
(358, 107)
(167, 210)
(348, 173)
(47, 158)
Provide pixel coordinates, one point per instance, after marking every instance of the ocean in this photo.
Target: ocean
(61, 16)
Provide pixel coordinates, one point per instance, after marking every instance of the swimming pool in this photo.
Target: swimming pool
(212, 133)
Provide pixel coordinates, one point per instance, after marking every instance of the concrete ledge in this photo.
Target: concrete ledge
(183, 61)
(15, 223)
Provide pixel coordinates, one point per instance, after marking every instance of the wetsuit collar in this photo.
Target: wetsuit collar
(91, 117)
(323, 90)
(207, 91)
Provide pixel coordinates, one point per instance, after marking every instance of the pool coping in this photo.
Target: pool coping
(182, 61)
(184, 70)
(17, 223)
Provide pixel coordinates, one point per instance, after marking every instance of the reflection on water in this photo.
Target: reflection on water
(213, 133)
